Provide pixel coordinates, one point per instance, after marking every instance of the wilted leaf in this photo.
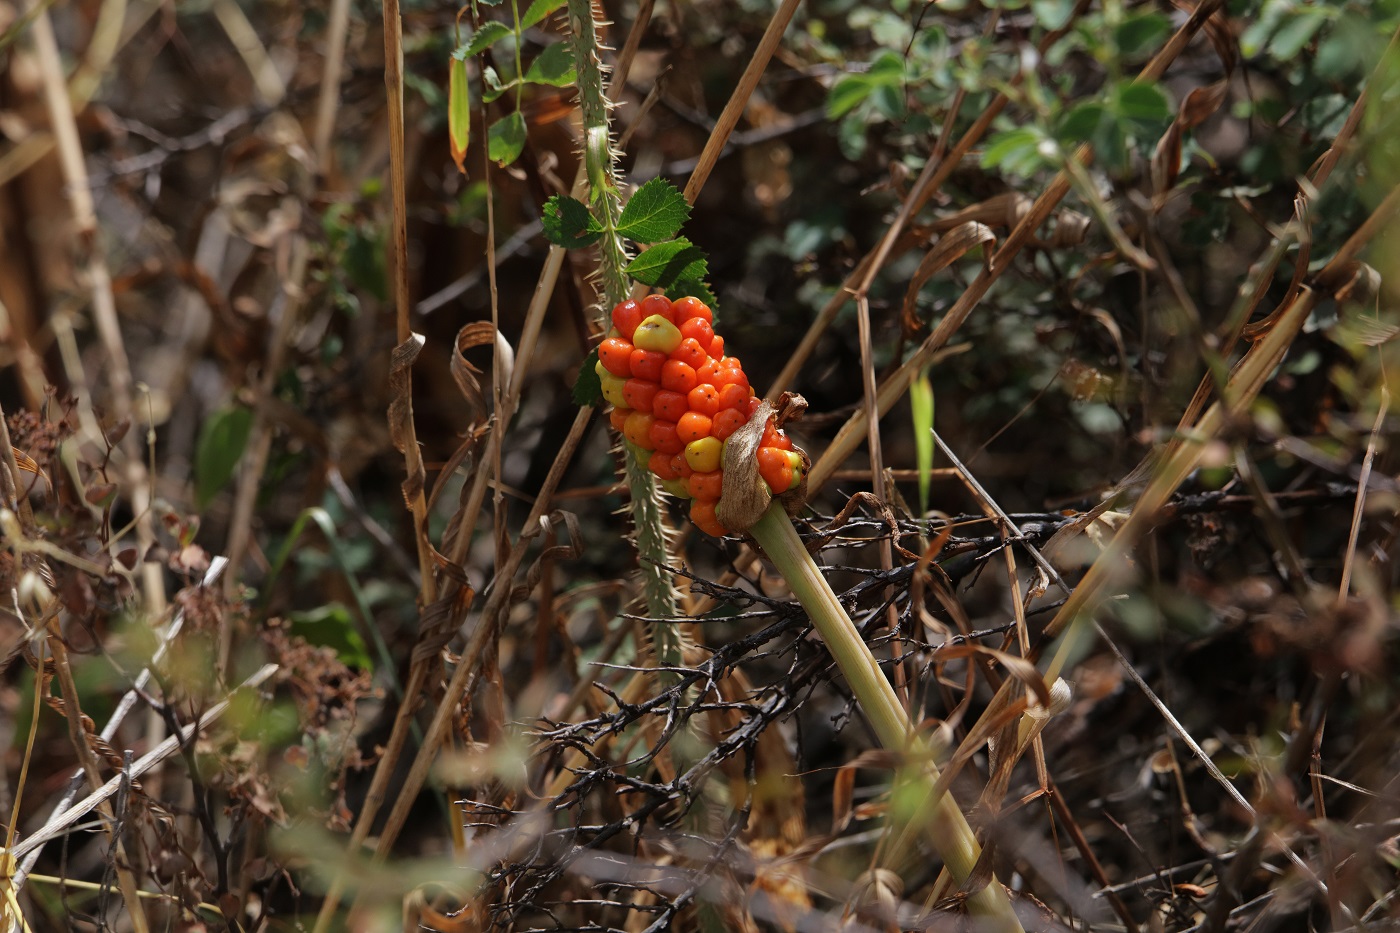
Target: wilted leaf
(655, 212)
(950, 247)
(218, 450)
(458, 112)
(478, 334)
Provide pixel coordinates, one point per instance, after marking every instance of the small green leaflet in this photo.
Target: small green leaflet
(506, 138)
(538, 11)
(568, 223)
(554, 66)
(488, 35)
(693, 288)
(655, 212)
(588, 389)
(665, 264)
(218, 450)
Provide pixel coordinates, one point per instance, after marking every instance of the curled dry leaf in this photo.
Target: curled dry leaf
(950, 247)
(401, 409)
(1198, 106)
(478, 334)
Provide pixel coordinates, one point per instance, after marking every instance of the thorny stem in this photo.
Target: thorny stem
(947, 828)
(600, 159)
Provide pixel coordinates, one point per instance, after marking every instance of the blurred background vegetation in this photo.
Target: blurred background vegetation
(198, 287)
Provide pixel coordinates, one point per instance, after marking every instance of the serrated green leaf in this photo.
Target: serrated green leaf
(538, 11)
(588, 389)
(667, 263)
(488, 35)
(505, 140)
(222, 439)
(694, 288)
(568, 223)
(459, 114)
(655, 212)
(554, 67)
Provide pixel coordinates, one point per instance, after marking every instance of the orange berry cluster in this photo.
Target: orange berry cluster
(677, 398)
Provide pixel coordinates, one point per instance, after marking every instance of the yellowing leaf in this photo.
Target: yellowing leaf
(459, 117)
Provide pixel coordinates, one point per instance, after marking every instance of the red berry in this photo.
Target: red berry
(691, 353)
(693, 426)
(618, 416)
(657, 304)
(669, 405)
(646, 364)
(704, 399)
(728, 374)
(716, 347)
(751, 405)
(705, 485)
(663, 437)
(727, 422)
(663, 465)
(639, 393)
(615, 355)
(700, 331)
(706, 372)
(681, 466)
(677, 376)
(692, 307)
(626, 316)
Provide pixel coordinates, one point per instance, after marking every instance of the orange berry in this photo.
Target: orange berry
(704, 399)
(700, 331)
(705, 485)
(693, 426)
(680, 464)
(678, 376)
(617, 416)
(646, 364)
(615, 355)
(702, 513)
(733, 396)
(728, 373)
(716, 347)
(626, 316)
(690, 352)
(727, 422)
(637, 429)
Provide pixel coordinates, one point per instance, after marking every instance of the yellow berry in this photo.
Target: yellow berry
(657, 333)
(704, 455)
(612, 388)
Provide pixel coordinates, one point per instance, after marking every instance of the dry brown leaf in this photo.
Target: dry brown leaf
(950, 247)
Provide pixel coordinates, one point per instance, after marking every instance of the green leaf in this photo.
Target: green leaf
(655, 212)
(459, 115)
(921, 407)
(491, 86)
(217, 452)
(1052, 14)
(332, 626)
(568, 223)
(693, 288)
(665, 264)
(488, 35)
(1296, 33)
(846, 95)
(554, 67)
(538, 11)
(505, 140)
(588, 389)
(1140, 35)
(1142, 102)
(1022, 151)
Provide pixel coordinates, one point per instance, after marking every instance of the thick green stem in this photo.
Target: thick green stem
(947, 828)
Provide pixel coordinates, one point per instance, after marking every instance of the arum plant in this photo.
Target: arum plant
(692, 425)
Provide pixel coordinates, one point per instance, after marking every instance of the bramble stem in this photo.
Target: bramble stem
(947, 828)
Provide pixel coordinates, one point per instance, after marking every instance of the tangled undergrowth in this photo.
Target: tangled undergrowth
(333, 600)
